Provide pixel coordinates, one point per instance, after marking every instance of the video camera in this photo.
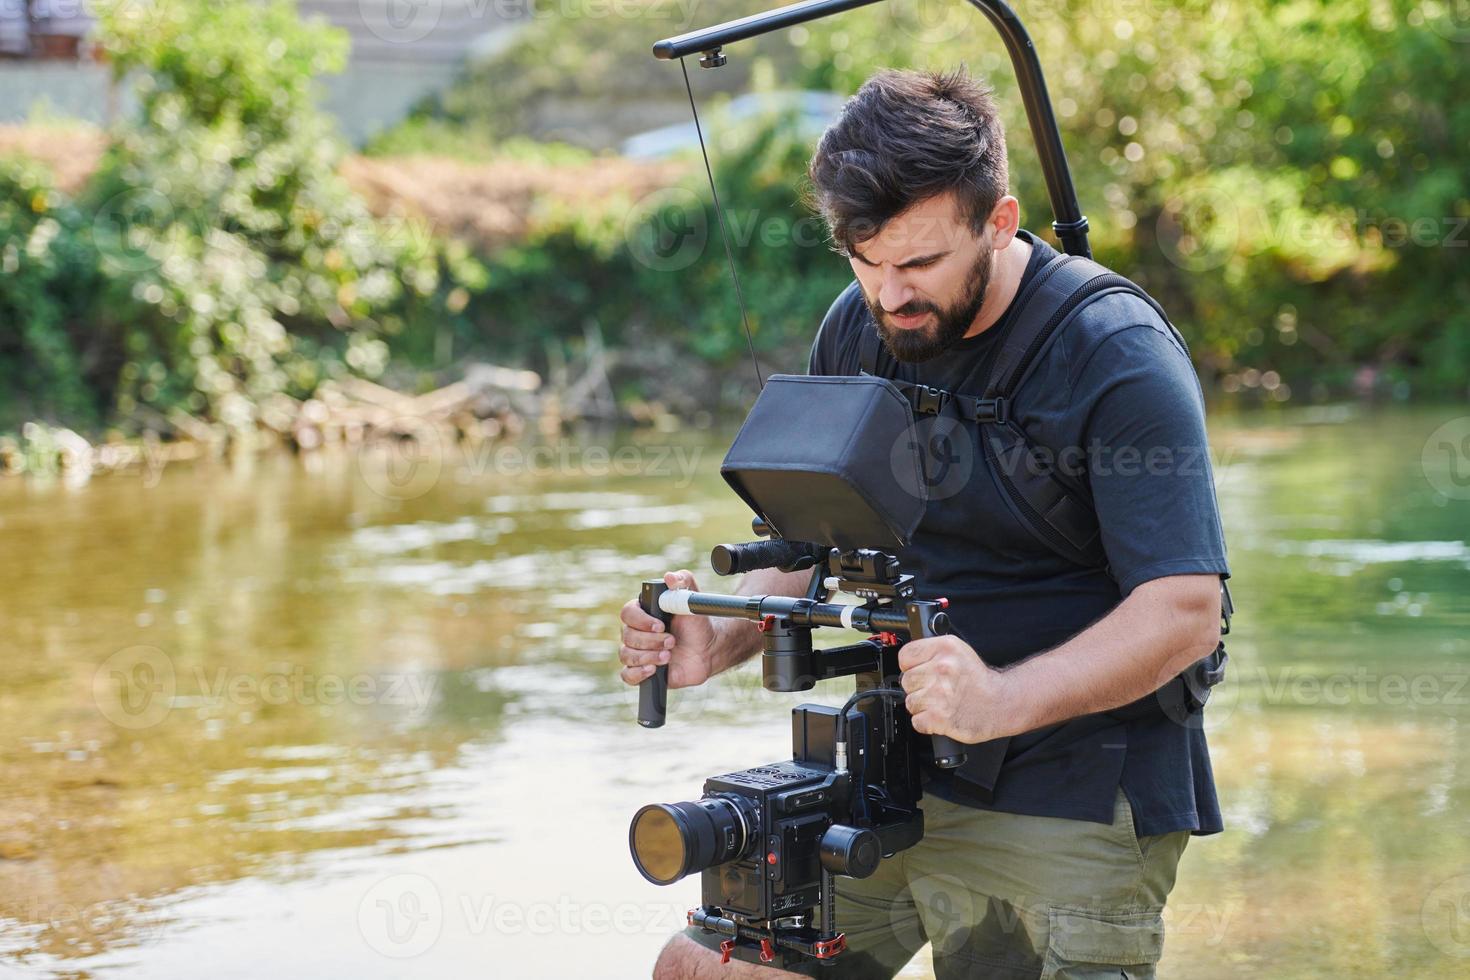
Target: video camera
(831, 468)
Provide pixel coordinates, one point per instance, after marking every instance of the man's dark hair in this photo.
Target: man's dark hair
(904, 137)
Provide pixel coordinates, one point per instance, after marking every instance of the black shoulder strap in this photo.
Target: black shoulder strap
(1052, 502)
(1062, 287)
(1057, 509)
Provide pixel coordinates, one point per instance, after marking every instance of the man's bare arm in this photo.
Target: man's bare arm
(738, 639)
(696, 648)
(1160, 629)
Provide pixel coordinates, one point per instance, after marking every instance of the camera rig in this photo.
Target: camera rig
(837, 500)
(849, 795)
(770, 840)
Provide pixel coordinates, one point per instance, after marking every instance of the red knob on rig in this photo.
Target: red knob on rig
(825, 949)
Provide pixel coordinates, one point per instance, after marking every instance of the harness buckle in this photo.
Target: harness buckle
(931, 400)
(992, 410)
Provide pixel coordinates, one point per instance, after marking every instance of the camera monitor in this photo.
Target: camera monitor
(831, 460)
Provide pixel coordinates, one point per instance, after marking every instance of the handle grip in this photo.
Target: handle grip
(653, 691)
(733, 559)
(928, 619)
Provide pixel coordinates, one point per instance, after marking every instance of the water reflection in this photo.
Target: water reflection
(270, 720)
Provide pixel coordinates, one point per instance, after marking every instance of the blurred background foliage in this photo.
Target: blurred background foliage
(214, 259)
(1288, 178)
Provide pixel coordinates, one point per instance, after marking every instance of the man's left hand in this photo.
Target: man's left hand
(952, 692)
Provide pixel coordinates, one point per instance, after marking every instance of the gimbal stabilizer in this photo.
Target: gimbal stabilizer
(788, 662)
(770, 840)
(837, 499)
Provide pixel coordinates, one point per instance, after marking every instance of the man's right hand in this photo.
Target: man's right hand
(688, 646)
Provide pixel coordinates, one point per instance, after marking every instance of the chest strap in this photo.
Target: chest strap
(1055, 506)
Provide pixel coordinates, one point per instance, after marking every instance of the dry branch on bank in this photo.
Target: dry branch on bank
(489, 402)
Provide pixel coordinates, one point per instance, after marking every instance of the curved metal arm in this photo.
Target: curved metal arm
(1070, 225)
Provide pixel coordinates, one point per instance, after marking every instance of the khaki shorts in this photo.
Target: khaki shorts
(1010, 897)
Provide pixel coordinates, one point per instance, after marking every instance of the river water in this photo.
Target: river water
(361, 719)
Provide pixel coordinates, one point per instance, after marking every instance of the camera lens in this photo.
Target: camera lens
(671, 840)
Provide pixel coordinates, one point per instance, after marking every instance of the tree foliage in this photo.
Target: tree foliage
(1288, 177)
(229, 262)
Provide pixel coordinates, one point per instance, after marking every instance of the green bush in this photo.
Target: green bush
(215, 259)
(1287, 177)
(673, 310)
(251, 267)
(54, 351)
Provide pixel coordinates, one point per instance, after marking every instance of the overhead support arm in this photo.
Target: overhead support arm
(1070, 225)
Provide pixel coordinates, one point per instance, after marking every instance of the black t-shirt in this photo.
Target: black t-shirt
(1118, 388)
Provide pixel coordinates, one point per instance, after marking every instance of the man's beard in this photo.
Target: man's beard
(928, 342)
